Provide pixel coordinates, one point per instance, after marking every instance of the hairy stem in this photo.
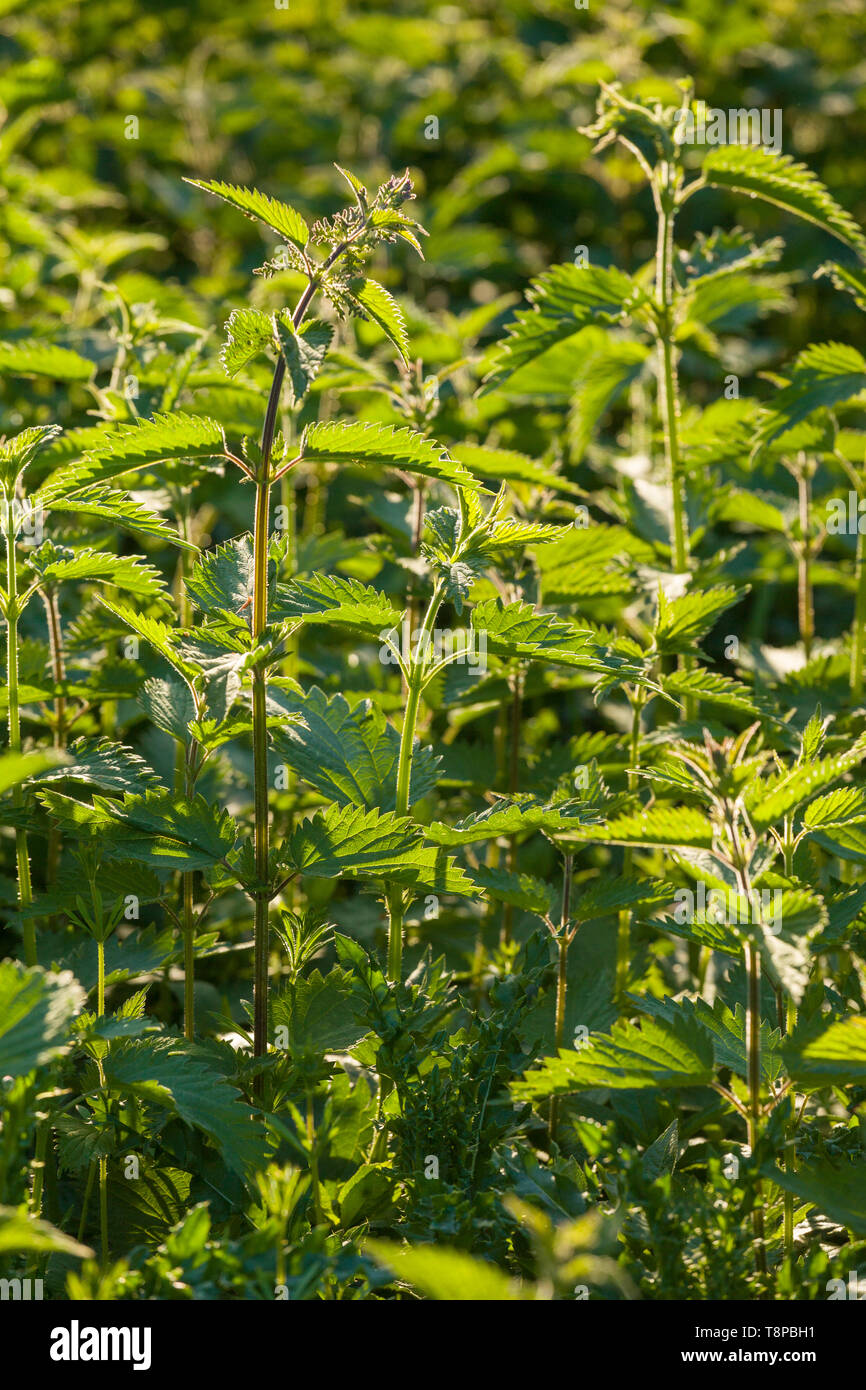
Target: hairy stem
(563, 941)
(515, 714)
(414, 683)
(25, 890)
(858, 635)
(623, 936)
(753, 1053)
(805, 596)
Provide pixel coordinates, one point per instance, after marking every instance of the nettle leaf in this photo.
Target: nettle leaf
(121, 510)
(319, 1012)
(506, 465)
(606, 895)
(169, 704)
(727, 1029)
(369, 844)
(20, 1233)
(837, 1189)
(129, 572)
(349, 753)
(518, 890)
(16, 768)
(599, 383)
(769, 802)
(715, 689)
(44, 359)
(563, 301)
(181, 1078)
(154, 632)
(512, 816)
(440, 1273)
(223, 578)
(281, 218)
(375, 303)
(152, 829)
(36, 1011)
(844, 806)
(685, 621)
(382, 446)
(17, 453)
(850, 278)
(326, 598)
(304, 350)
(128, 447)
(518, 630)
(660, 825)
(101, 763)
(658, 1053)
(834, 1054)
(779, 179)
(248, 333)
(824, 375)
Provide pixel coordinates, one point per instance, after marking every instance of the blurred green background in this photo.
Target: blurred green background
(257, 93)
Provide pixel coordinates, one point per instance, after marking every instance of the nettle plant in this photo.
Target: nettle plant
(488, 900)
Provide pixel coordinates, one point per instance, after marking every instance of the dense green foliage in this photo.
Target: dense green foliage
(432, 818)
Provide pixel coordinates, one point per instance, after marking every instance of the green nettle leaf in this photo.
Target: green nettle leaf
(152, 829)
(839, 1189)
(440, 1273)
(223, 578)
(824, 375)
(128, 447)
(519, 890)
(606, 895)
(715, 689)
(779, 179)
(36, 1011)
(769, 803)
(281, 218)
(511, 816)
(318, 1012)
(329, 599)
(121, 510)
(304, 349)
(349, 753)
(728, 1031)
(563, 301)
(835, 1055)
(170, 704)
(248, 333)
(850, 278)
(154, 631)
(376, 304)
(660, 825)
(657, 1053)
(506, 465)
(180, 1077)
(17, 453)
(382, 446)
(101, 763)
(127, 572)
(844, 806)
(366, 844)
(598, 385)
(44, 359)
(685, 621)
(519, 630)
(23, 1234)
(16, 768)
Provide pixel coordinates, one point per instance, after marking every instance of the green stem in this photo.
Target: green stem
(188, 958)
(314, 1160)
(623, 936)
(103, 1162)
(25, 890)
(563, 941)
(415, 682)
(753, 1050)
(805, 597)
(514, 721)
(669, 404)
(858, 636)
